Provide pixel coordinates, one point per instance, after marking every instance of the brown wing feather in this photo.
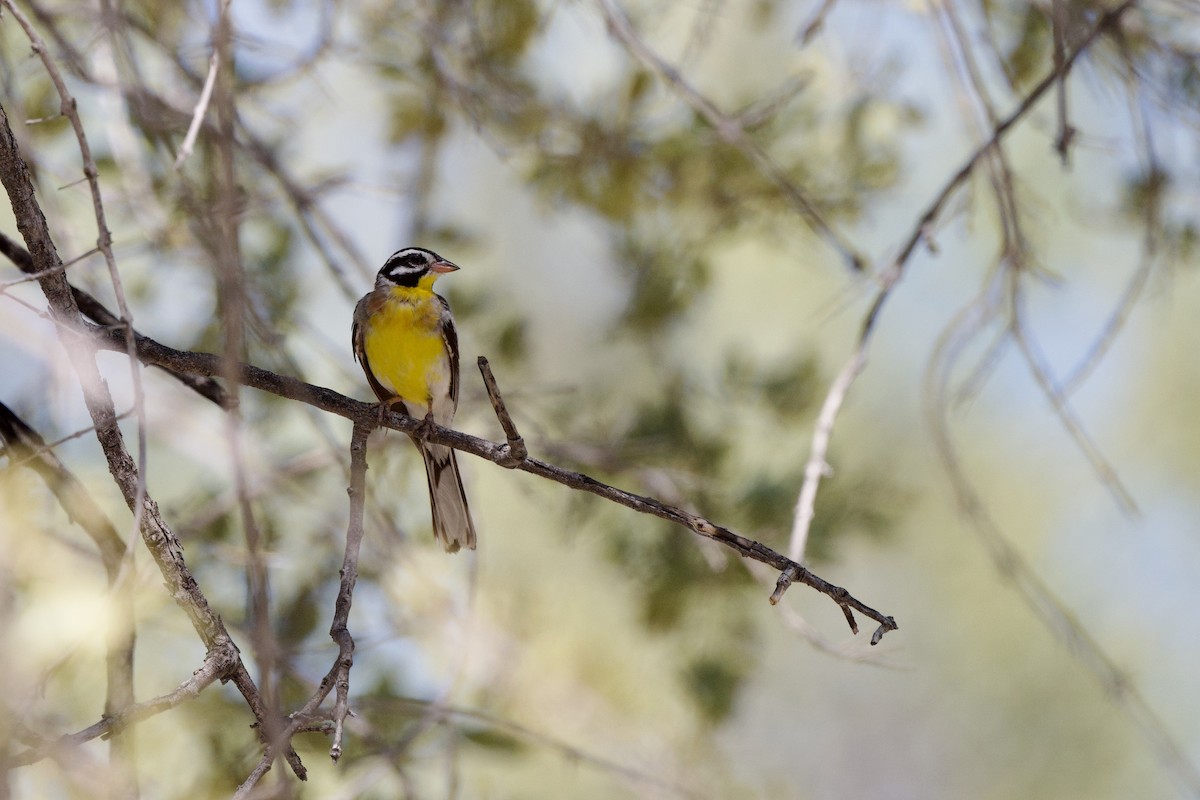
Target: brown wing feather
(450, 337)
(357, 333)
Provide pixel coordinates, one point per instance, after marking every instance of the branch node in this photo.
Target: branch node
(888, 625)
(785, 580)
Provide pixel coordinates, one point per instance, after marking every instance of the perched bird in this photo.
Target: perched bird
(405, 340)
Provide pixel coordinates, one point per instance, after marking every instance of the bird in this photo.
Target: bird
(405, 340)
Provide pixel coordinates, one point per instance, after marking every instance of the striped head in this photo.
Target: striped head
(412, 267)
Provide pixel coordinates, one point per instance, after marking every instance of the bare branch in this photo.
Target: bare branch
(817, 466)
(335, 403)
(516, 445)
(1105, 472)
(339, 631)
(103, 242)
(894, 271)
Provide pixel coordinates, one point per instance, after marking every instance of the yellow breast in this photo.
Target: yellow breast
(405, 348)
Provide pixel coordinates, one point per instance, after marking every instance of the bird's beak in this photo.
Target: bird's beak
(442, 267)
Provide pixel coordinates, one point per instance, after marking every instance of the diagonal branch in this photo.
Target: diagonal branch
(98, 313)
(892, 274)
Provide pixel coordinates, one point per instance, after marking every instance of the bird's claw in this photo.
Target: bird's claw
(424, 428)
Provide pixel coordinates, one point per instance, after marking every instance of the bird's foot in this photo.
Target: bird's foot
(387, 407)
(424, 428)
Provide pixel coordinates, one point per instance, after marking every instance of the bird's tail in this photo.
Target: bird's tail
(451, 518)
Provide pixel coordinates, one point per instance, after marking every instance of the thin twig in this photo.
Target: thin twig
(35, 453)
(97, 312)
(210, 80)
(1151, 233)
(1066, 132)
(516, 445)
(895, 269)
(36, 276)
(1106, 473)
(817, 466)
(815, 22)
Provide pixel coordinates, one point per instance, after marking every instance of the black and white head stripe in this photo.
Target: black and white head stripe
(406, 267)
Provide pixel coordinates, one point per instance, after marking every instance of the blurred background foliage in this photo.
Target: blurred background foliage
(662, 316)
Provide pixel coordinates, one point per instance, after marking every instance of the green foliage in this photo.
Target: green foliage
(712, 682)
(1027, 58)
(496, 740)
